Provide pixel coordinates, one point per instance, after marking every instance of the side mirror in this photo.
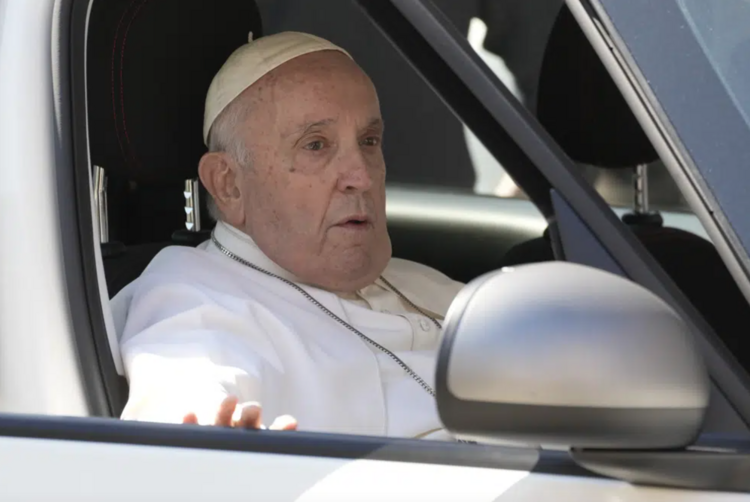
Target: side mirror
(562, 355)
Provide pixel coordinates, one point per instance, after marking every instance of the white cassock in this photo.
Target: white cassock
(198, 326)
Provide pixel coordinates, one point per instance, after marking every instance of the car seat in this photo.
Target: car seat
(149, 66)
(582, 109)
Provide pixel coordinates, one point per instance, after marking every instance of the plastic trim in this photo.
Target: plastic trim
(303, 444)
(94, 352)
(69, 190)
(698, 470)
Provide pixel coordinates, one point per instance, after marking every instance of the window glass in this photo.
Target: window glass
(722, 30)
(511, 37)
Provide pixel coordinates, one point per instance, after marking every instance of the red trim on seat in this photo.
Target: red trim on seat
(114, 101)
(122, 86)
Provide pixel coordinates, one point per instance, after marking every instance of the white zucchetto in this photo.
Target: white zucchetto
(251, 62)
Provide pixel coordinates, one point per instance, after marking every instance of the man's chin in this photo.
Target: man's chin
(354, 270)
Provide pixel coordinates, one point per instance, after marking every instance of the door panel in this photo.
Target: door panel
(83, 471)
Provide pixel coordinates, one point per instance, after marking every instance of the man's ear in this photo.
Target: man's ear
(219, 174)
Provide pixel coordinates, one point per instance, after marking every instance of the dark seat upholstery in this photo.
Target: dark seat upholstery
(581, 107)
(150, 63)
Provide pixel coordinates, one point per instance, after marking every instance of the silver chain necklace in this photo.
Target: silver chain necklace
(339, 320)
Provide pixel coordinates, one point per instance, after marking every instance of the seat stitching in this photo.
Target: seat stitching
(112, 74)
(122, 86)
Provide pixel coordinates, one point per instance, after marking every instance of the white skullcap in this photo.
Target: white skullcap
(250, 62)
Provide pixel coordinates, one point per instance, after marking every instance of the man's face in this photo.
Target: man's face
(313, 198)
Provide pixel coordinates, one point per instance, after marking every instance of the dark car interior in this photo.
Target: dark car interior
(150, 65)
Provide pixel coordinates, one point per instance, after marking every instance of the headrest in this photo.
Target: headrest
(581, 107)
(150, 63)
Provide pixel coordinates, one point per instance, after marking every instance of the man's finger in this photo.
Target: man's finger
(250, 417)
(226, 410)
(190, 418)
(284, 423)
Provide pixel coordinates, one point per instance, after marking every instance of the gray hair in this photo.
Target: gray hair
(223, 138)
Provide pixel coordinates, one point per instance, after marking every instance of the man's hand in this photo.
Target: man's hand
(248, 417)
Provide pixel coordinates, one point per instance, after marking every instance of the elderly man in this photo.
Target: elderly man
(295, 304)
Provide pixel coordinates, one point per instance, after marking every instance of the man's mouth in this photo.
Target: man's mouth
(355, 222)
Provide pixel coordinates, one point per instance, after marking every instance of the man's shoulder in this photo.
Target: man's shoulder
(178, 259)
(182, 266)
(422, 284)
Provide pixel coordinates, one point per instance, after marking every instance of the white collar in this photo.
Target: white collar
(242, 245)
(407, 279)
(239, 243)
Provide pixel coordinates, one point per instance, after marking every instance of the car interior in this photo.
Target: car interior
(149, 65)
(581, 107)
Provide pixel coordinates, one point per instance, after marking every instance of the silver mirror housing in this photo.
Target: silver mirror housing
(562, 355)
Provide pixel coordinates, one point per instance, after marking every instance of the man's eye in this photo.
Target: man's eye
(314, 146)
(371, 141)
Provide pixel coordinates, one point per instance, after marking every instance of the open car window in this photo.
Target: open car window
(722, 32)
(430, 161)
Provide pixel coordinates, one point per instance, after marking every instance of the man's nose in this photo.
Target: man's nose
(356, 174)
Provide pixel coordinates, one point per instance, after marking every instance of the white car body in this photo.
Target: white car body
(40, 375)
(36, 469)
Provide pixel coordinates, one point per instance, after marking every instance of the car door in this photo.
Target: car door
(97, 459)
(53, 328)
